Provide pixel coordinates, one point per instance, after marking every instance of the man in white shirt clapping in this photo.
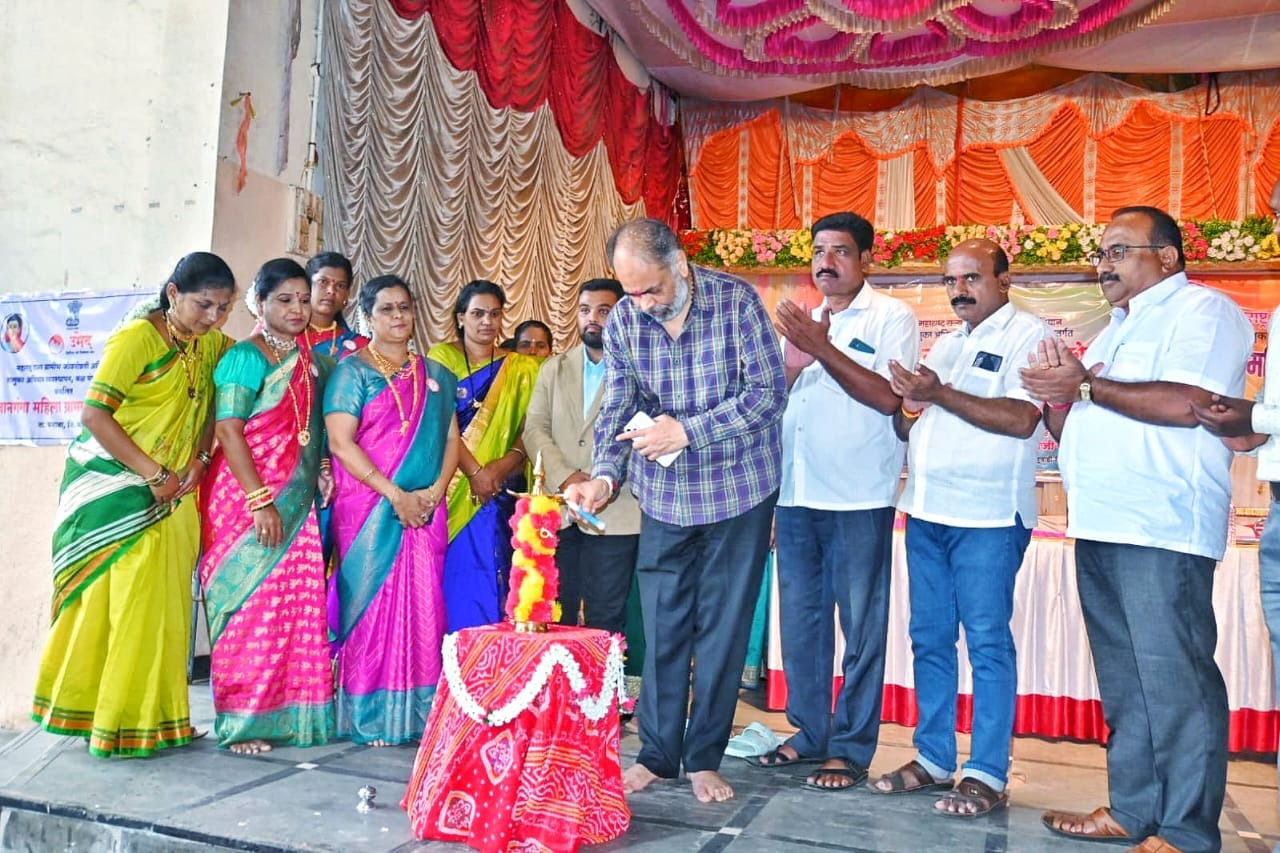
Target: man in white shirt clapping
(972, 432)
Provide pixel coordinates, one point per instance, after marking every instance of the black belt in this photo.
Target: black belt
(1275, 491)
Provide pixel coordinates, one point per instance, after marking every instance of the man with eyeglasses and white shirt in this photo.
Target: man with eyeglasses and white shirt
(1148, 494)
(1245, 425)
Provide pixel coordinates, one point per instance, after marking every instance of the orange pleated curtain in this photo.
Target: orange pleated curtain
(1190, 166)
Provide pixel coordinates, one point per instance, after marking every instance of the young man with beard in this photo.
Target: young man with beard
(841, 466)
(595, 570)
(691, 349)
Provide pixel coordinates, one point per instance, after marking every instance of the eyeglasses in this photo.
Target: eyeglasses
(335, 283)
(1115, 254)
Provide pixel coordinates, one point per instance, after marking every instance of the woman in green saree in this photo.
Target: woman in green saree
(115, 663)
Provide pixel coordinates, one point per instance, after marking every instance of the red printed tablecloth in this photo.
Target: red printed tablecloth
(520, 752)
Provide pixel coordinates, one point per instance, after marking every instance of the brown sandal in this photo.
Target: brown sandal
(909, 778)
(973, 792)
(1097, 825)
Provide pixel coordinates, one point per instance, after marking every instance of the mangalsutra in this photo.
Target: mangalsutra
(332, 328)
(280, 347)
(389, 371)
(185, 345)
(477, 399)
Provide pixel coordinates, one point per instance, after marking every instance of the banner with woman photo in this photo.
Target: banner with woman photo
(50, 346)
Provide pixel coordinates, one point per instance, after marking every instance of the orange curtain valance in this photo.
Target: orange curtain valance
(1083, 148)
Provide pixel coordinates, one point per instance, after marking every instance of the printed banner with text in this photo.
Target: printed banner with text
(50, 347)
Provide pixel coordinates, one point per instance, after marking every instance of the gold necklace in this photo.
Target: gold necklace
(304, 431)
(388, 370)
(333, 341)
(185, 346)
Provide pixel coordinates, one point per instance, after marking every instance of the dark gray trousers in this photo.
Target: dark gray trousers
(698, 587)
(1149, 616)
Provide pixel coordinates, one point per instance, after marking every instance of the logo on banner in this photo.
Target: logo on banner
(73, 313)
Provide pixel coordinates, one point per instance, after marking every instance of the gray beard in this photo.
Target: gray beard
(663, 313)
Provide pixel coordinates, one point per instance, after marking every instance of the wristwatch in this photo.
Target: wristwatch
(1086, 390)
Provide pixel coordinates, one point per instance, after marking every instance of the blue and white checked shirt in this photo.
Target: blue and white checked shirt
(722, 379)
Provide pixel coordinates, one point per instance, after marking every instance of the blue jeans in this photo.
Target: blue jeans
(964, 576)
(841, 560)
(1149, 616)
(1269, 583)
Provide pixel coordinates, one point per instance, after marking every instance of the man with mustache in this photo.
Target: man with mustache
(595, 570)
(692, 350)
(1148, 492)
(971, 432)
(841, 467)
(1245, 425)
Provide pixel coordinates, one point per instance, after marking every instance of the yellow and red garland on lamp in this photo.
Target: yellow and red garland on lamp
(535, 578)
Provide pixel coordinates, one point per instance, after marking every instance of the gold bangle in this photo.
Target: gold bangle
(908, 414)
(257, 493)
(205, 456)
(479, 468)
(373, 469)
(523, 455)
(261, 504)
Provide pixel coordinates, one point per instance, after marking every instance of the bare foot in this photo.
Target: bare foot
(637, 777)
(710, 787)
(250, 747)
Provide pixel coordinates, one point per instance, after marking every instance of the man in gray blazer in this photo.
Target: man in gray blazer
(595, 570)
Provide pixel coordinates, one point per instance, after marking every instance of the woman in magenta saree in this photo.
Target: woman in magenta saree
(389, 414)
(263, 570)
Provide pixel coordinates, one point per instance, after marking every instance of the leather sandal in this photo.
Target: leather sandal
(1154, 844)
(909, 778)
(851, 775)
(777, 759)
(1097, 825)
(980, 795)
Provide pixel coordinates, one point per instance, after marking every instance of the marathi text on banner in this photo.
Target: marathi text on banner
(50, 346)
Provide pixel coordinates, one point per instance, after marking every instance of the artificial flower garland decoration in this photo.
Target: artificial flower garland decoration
(613, 688)
(535, 578)
(1209, 240)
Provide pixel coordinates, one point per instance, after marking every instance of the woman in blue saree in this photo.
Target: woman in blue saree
(389, 415)
(493, 393)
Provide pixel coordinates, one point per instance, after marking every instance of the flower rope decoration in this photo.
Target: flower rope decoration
(613, 688)
(1214, 240)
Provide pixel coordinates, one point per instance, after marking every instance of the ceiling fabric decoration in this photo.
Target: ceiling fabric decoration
(883, 43)
(527, 53)
(426, 179)
(1073, 153)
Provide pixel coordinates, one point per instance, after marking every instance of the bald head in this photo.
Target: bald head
(976, 275)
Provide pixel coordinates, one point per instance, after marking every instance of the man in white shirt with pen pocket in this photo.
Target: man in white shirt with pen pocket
(841, 467)
(971, 432)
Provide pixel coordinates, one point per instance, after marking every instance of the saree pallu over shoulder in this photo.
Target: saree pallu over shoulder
(496, 424)
(234, 564)
(103, 506)
(121, 682)
(270, 673)
(411, 460)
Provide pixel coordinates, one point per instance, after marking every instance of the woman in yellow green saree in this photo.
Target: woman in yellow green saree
(494, 389)
(115, 663)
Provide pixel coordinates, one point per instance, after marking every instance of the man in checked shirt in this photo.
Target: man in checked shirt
(694, 350)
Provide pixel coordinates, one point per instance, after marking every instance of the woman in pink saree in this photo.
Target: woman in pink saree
(263, 569)
(389, 415)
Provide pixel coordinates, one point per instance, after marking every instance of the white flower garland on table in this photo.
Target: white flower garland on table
(594, 707)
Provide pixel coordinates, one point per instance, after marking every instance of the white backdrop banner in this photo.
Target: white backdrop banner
(50, 346)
